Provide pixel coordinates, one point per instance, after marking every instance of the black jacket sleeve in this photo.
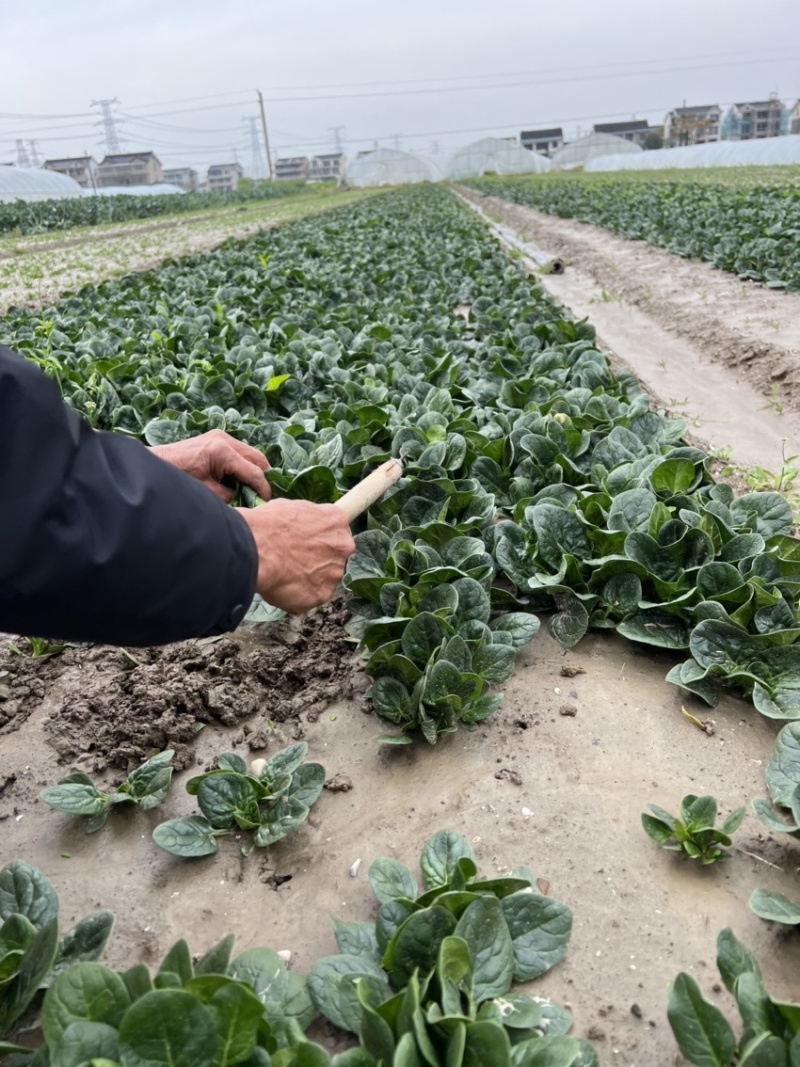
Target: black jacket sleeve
(102, 541)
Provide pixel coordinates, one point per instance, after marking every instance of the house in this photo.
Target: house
(756, 118)
(130, 168)
(224, 177)
(794, 118)
(82, 169)
(545, 142)
(292, 169)
(692, 125)
(635, 130)
(185, 177)
(327, 167)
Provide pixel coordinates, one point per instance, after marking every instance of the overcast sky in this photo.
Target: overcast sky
(428, 75)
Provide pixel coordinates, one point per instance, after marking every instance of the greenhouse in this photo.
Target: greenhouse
(761, 152)
(390, 166)
(30, 183)
(581, 152)
(493, 155)
(161, 189)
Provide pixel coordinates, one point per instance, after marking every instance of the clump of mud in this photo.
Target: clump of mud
(106, 708)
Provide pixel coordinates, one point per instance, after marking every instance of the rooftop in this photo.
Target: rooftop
(542, 135)
(617, 127)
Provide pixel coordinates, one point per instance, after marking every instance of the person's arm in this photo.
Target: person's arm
(102, 541)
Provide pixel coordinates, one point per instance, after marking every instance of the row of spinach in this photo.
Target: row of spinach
(427, 982)
(536, 477)
(748, 227)
(43, 216)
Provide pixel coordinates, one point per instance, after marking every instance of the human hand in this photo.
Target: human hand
(215, 455)
(302, 551)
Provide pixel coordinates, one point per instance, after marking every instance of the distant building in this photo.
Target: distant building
(185, 177)
(224, 177)
(130, 168)
(635, 130)
(327, 167)
(545, 142)
(794, 118)
(82, 169)
(292, 169)
(758, 118)
(692, 125)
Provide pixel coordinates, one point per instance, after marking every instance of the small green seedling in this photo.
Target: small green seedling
(39, 648)
(271, 800)
(694, 832)
(76, 794)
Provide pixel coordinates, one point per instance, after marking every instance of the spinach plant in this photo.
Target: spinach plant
(77, 794)
(32, 954)
(429, 981)
(770, 1032)
(271, 803)
(214, 1012)
(782, 815)
(694, 832)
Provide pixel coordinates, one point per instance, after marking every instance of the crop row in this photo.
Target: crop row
(749, 229)
(43, 216)
(537, 479)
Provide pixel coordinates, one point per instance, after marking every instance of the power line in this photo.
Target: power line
(763, 53)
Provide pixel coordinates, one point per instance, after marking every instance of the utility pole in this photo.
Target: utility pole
(337, 138)
(266, 135)
(23, 159)
(255, 146)
(90, 168)
(107, 122)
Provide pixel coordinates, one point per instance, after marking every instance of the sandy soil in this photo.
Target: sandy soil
(557, 779)
(722, 353)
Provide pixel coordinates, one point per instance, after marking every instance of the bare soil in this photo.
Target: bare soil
(557, 779)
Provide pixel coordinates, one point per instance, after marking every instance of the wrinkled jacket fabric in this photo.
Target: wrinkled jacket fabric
(102, 541)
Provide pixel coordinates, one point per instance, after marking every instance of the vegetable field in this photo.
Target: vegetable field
(746, 226)
(44, 216)
(538, 481)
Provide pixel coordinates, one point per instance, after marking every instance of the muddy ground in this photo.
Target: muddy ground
(557, 779)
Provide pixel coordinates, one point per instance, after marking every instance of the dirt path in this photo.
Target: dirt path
(722, 353)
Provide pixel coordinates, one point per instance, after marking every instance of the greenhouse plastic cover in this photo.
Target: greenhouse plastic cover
(135, 190)
(493, 155)
(30, 183)
(579, 153)
(390, 166)
(761, 152)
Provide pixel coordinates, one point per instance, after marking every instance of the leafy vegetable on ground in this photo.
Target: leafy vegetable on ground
(270, 804)
(744, 226)
(429, 980)
(77, 794)
(781, 814)
(536, 478)
(42, 216)
(770, 1027)
(694, 832)
(32, 954)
